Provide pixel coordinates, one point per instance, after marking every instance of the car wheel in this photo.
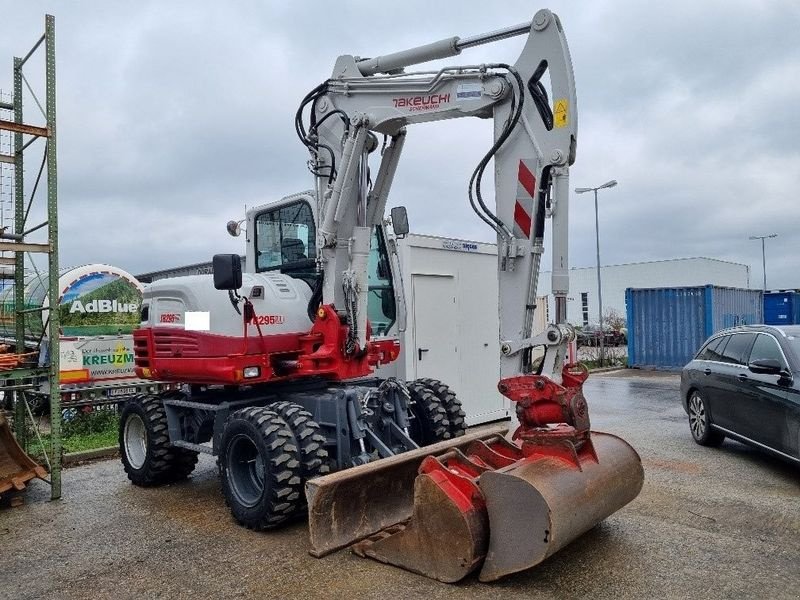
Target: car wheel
(700, 422)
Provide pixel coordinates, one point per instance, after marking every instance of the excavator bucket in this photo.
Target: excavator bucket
(353, 504)
(16, 467)
(541, 504)
(482, 501)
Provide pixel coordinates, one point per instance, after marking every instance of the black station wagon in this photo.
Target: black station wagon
(744, 383)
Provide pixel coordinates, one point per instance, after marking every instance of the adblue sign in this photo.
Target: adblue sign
(104, 306)
(94, 299)
(100, 302)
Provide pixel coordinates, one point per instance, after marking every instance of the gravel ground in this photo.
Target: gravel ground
(721, 523)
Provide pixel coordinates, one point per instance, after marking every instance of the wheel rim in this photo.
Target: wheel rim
(135, 438)
(698, 419)
(245, 471)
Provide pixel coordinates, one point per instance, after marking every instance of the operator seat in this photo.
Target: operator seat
(293, 250)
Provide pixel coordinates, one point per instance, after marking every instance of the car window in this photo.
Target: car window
(737, 349)
(710, 351)
(766, 348)
(719, 348)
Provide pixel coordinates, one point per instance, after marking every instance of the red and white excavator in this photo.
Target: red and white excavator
(279, 361)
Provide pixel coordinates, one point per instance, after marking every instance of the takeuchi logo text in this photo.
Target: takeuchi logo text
(416, 103)
(103, 306)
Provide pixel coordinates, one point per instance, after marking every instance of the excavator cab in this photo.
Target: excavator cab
(285, 241)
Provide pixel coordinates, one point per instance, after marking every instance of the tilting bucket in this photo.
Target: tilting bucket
(481, 502)
(16, 467)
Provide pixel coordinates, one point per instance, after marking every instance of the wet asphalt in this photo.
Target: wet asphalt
(709, 523)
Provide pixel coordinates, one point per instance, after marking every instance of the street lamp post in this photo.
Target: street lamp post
(763, 253)
(608, 184)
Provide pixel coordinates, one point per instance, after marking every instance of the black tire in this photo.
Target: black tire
(430, 424)
(147, 455)
(456, 416)
(700, 421)
(259, 465)
(308, 438)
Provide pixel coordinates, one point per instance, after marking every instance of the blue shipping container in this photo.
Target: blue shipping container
(666, 326)
(782, 308)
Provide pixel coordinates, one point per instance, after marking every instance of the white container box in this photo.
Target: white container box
(450, 288)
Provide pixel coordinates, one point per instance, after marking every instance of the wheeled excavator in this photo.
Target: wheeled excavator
(278, 358)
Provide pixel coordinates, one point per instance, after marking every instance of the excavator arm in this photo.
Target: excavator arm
(486, 500)
(533, 106)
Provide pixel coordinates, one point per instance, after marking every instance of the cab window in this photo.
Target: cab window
(286, 238)
(381, 308)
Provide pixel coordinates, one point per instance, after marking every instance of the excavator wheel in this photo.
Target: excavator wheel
(147, 455)
(308, 438)
(430, 424)
(259, 463)
(451, 404)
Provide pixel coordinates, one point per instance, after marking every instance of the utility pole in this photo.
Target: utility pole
(763, 253)
(608, 184)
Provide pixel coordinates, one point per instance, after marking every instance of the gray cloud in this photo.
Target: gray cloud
(173, 116)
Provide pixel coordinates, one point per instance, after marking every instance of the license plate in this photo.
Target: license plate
(128, 391)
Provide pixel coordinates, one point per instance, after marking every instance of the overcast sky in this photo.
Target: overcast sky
(173, 116)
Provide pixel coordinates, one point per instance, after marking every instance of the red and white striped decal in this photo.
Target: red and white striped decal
(526, 192)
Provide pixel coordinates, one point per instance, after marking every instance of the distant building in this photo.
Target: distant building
(582, 306)
(203, 268)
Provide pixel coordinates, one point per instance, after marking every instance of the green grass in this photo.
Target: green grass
(86, 431)
(90, 441)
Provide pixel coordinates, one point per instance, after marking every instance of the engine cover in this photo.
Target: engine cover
(280, 303)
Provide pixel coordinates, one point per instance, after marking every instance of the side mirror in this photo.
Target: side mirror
(227, 271)
(400, 221)
(234, 228)
(765, 366)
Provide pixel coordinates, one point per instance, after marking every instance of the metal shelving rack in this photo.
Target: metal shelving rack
(18, 380)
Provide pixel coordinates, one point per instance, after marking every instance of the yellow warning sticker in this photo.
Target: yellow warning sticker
(561, 112)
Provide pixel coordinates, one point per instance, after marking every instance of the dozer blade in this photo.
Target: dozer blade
(16, 467)
(538, 506)
(353, 504)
